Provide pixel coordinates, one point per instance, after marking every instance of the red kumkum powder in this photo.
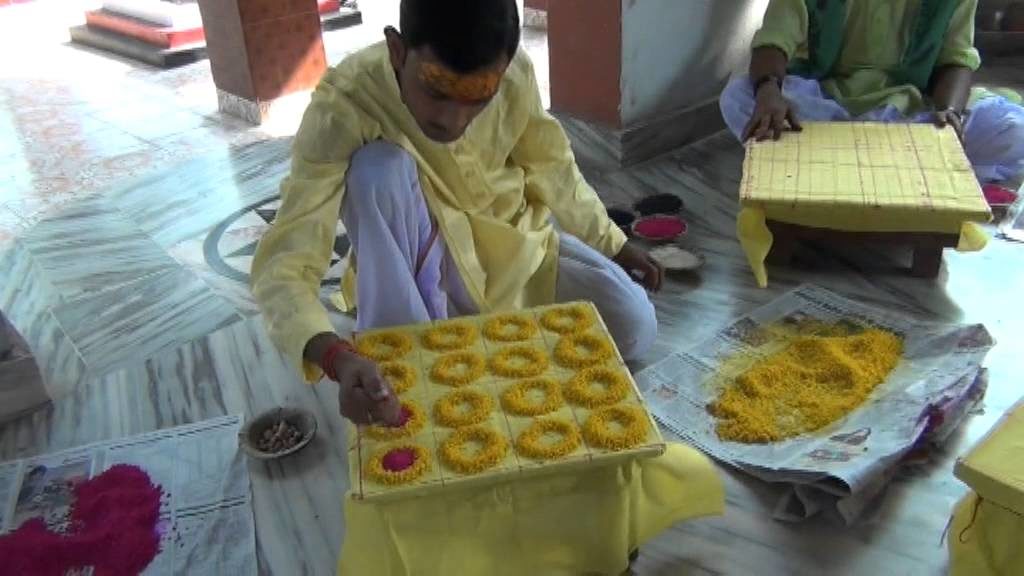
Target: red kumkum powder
(398, 460)
(660, 227)
(998, 195)
(113, 529)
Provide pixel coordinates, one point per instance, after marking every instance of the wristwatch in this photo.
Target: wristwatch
(761, 81)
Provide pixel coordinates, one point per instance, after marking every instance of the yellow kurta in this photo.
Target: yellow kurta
(492, 194)
(877, 33)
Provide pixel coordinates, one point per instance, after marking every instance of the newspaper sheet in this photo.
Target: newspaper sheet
(206, 517)
(847, 463)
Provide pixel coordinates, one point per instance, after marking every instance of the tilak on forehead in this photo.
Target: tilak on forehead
(472, 87)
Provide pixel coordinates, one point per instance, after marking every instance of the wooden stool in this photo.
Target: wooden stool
(927, 247)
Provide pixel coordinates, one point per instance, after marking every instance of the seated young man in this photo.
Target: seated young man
(435, 152)
(875, 60)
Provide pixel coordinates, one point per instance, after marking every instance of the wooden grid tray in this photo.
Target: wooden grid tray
(425, 393)
(853, 168)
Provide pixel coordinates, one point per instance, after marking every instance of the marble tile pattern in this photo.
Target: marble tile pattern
(138, 320)
(135, 331)
(88, 249)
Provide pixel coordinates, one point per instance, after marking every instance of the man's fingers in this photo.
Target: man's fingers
(387, 411)
(764, 124)
(748, 131)
(778, 125)
(384, 406)
(355, 404)
(794, 122)
(658, 273)
(374, 385)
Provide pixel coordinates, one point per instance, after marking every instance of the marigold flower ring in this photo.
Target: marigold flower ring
(594, 387)
(384, 346)
(463, 407)
(400, 375)
(473, 449)
(411, 421)
(567, 320)
(519, 362)
(510, 328)
(398, 464)
(518, 398)
(450, 336)
(458, 369)
(533, 441)
(630, 427)
(582, 350)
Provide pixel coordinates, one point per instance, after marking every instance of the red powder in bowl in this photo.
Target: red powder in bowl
(998, 196)
(398, 459)
(113, 529)
(660, 227)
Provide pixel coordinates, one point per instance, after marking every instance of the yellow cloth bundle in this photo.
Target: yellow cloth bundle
(580, 522)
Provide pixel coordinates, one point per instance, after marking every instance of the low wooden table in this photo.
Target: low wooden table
(909, 184)
(928, 247)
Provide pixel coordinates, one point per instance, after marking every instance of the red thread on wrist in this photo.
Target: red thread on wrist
(327, 362)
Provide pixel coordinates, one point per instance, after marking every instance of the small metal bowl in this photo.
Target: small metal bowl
(658, 204)
(677, 259)
(249, 436)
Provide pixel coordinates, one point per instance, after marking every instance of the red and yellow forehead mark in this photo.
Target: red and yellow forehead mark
(475, 87)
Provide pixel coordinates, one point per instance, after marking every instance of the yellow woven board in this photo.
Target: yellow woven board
(425, 393)
(865, 177)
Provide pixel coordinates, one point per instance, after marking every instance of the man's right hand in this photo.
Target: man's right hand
(773, 115)
(364, 396)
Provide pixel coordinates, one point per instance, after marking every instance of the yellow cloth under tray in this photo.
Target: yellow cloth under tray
(571, 523)
(859, 177)
(988, 524)
(984, 539)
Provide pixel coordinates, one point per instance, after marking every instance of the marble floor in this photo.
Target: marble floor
(128, 212)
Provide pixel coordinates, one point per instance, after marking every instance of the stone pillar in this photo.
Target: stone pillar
(643, 76)
(260, 51)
